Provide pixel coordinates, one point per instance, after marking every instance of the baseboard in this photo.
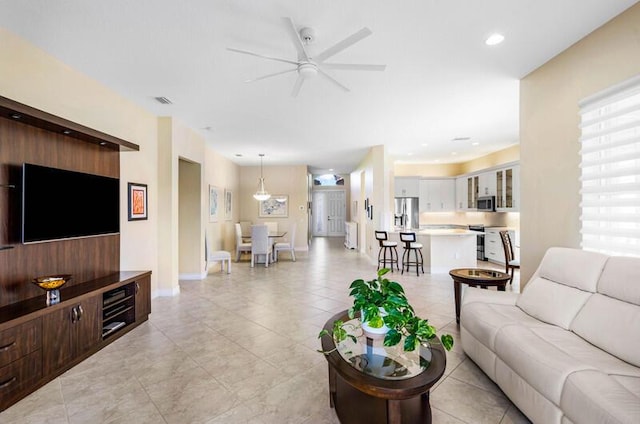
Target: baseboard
(193, 276)
(165, 292)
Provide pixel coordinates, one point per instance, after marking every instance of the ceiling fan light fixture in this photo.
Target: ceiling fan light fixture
(307, 70)
(261, 194)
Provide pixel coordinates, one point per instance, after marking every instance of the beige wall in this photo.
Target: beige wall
(30, 76)
(510, 154)
(549, 131)
(286, 180)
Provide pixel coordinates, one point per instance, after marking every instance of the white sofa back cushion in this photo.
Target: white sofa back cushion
(572, 267)
(561, 285)
(621, 279)
(611, 318)
(608, 323)
(551, 302)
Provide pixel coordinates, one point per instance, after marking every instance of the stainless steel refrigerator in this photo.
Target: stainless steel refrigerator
(406, 214)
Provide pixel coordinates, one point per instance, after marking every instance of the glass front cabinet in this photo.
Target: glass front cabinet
(508, 189)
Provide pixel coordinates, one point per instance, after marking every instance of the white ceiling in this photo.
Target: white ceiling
(441, 80)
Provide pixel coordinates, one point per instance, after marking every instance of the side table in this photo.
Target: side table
(476, 277)
(373, 384)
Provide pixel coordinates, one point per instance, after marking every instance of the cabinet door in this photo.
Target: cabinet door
(487, 184)
(87, 329)
(447, 191)
(56, 339)
(473, 183)
(70, 332)
(461, 194)
(406, 187)
(143, 298)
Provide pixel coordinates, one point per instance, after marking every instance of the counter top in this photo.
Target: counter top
(441, 232)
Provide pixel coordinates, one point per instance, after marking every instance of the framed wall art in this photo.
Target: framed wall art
(214, 203)
(277, 206)
(137, 195)
(228, 204)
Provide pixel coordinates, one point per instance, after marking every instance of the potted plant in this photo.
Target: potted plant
(382, 302)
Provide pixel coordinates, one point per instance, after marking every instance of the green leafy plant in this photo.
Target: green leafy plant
(383, 302)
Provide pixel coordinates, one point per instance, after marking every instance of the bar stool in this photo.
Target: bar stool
(387, 247)
(411, 245)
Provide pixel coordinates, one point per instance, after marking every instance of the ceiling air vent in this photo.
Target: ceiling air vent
(163, 100)
(461, 139)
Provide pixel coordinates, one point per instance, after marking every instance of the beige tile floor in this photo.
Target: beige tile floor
(240, 348)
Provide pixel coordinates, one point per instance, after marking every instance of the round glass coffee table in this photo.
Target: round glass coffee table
(476, 277)
(372, 383)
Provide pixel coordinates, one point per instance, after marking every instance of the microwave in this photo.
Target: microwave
(486, 204)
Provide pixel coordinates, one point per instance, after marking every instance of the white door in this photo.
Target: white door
(336, 212)
(329, 211)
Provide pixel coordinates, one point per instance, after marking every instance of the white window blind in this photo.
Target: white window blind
(610, 170)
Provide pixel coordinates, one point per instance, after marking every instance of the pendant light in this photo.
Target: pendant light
(261, 194)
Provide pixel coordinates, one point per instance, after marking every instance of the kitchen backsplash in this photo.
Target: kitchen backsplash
(488, 219)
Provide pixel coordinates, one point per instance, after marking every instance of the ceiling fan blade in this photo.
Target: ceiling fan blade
(330, 78)
(353, 67)
(262, 56)
(272, 75)
(297, 86)
(295, 37)
(347, 42)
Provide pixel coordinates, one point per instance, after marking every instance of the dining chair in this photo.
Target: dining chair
(272, 225)
(260, 244)
(287, 246)
(245, 226)
(510, 262)
(241, 246)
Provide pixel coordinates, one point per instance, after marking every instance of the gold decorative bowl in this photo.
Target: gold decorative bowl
(52, 282)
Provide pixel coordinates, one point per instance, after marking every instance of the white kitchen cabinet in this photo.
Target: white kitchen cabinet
(473, 183)
(407, 187)
(461, 194)
(437, 195)
(508, 189)
(487, 184)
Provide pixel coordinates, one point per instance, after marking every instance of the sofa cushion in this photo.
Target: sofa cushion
(592, 396)
(540, 363)
(551, 302)
(572, 267)
(608, 323)
(621, 279)
(562, 284)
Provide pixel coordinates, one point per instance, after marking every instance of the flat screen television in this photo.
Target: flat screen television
(61, 204)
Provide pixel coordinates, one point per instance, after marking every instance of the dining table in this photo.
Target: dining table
(273, 235)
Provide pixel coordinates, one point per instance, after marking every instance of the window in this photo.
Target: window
(610, 170)
(328, 180)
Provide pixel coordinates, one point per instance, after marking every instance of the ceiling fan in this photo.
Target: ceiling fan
(307, 66)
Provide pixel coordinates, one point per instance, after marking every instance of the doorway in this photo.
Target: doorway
(329, 212)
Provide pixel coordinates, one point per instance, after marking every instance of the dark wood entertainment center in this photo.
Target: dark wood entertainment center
(100, 303)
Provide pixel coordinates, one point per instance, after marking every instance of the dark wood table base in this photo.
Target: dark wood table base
(493, 278)
(355, 407)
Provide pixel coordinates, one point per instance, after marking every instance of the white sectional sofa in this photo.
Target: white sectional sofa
(566, 350)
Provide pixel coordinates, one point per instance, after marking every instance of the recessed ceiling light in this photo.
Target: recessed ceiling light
(425, 144)
(494, 39)
(437, 161)
(454, 153)
(330, 169)
(475, 143)
(409, 154)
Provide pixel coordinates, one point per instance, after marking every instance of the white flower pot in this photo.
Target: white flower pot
(373, 332)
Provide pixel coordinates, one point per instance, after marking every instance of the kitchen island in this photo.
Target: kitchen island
(443, 249)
